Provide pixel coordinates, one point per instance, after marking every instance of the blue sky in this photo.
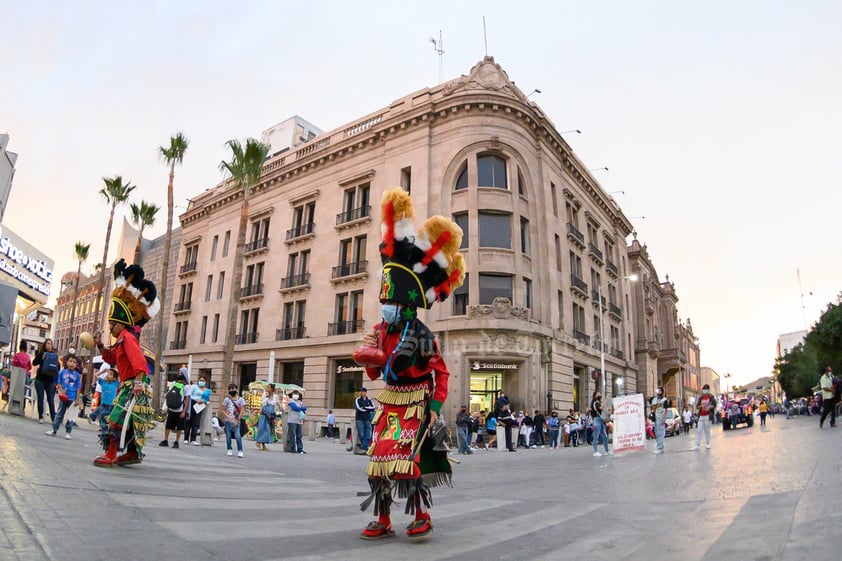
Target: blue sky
(718, 120)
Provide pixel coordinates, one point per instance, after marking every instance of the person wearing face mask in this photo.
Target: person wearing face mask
(232, 409)
(658, 403)
(705, 407)
(419, 269)
(297, 414)
(599, 415)
(200, 397)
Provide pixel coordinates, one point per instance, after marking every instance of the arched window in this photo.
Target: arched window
(462, 181)
(491, 171)
(521, 186)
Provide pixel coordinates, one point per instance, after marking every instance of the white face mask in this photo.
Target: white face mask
(295, 396)
(705, 392)
(390, 313)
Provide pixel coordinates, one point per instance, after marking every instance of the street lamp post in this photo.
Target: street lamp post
(632, 278)
(726, 376)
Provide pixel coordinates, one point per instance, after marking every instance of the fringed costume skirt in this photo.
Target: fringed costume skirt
(141, 415)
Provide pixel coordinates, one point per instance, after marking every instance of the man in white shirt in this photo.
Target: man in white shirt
(828, 398)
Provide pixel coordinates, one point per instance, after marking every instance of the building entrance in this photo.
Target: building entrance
(485, 388)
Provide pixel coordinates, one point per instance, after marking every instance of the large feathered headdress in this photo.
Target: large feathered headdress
(419, 268)
(134, 300)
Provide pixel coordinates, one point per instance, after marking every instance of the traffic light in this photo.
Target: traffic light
(595, 374)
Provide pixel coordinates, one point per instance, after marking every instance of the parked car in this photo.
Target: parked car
(673, 421)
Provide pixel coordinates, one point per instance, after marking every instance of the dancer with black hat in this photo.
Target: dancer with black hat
(133, 302)
(407, 453)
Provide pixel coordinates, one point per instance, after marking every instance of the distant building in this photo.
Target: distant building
(288, 134)
(7, 173)
(788, 341)
(36, 328)
(709, 376)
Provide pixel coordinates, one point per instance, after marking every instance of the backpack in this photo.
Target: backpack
(174, 398)
(837, 387)
(50, 363)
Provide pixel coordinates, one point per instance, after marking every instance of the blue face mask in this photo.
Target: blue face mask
(390, 313)
(201, 384)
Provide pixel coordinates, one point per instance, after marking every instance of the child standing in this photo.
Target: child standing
(69, 383)
(107, 388)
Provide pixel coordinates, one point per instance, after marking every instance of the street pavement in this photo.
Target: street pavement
(758, 494)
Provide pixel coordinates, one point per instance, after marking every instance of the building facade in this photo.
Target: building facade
(542, 240)
(7, 172)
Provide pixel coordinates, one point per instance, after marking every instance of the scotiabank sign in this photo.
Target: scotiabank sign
(25, 265)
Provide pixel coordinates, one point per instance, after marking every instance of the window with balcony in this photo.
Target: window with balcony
(248, 326)
(493, 286)
(579, 329)
(191, 259)
(259, 238)
(495, 230)
(352, 258)
(303, 220)
(355, 204)
(298, 270)
(180, 340)
(460, 299)
(253, 277)
(348, 314)
(185, 297)
(293, 321)
(491, 171)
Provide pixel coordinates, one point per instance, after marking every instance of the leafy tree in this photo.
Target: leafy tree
(245, 168)
(798, 371)
(116, 193)
(143, 215)
(80, 254)
(826, 338)
(172, 155)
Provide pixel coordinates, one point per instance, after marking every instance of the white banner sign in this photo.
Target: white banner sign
(629, 423)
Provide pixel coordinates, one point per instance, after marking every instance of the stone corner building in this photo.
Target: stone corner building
(542, 241)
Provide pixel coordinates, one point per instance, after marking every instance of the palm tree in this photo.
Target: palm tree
(143, 215)
(115, 193)
(172, 155)
(80, 254)
(245, 167)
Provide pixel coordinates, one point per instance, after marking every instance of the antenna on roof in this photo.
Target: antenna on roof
(484, 36)
(439, 48)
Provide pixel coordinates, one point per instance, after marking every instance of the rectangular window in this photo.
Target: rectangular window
(356, 308)
(491, 172)
(495, 230)
(406, 179)
(226, 243)
(220, 287)
(578, 318)
(289, 307)
(558, 253)
(560, 310)
(461, 220)
(554, 198)
(293, 373)
(527, 294)
(494, 286)
(525, 245)
(460, 299)
(209, 288)
(215, 331)
(341, 310)
(204, 330)
(214, 246)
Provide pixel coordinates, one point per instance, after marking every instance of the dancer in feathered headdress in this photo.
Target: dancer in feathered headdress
(133, 302)
(419, 269)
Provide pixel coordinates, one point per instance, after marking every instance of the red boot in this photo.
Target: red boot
(380, 529)
(129, 458)
(419, 528)
(107, 459)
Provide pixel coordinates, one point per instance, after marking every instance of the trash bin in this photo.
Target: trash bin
(17, 390)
